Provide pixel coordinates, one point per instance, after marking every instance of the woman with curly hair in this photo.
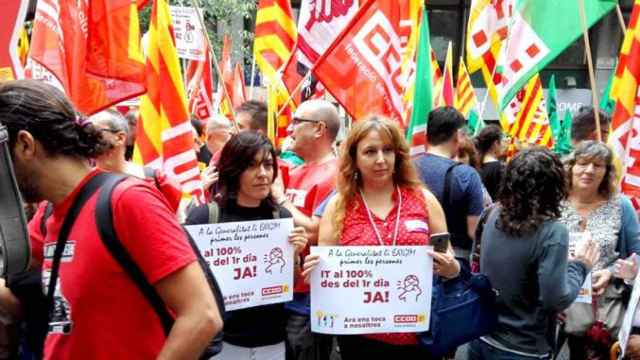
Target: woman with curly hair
(380, 201)
(595, 207)
(524, 254)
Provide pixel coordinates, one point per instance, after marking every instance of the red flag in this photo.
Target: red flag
(362, 68)
(200, 87)
(239, 93)
(92, 48)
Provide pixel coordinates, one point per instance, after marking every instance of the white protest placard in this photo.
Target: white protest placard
(627, 321)
(586, 291)
(371, 289)
(252, 260)
(188, 33)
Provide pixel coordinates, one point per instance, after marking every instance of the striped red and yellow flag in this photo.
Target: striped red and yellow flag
(625, 92)
(532, 123)
(436, 76)
(446, 95)
(275, 36)
(280, 113)
(164, 139)
(465, 99)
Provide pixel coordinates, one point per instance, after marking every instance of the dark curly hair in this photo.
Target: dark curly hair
(533, 188)
(49, 117)
(235, 157)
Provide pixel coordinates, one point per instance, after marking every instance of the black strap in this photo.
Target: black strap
(447, 183)
(85, 193)
(104, 220)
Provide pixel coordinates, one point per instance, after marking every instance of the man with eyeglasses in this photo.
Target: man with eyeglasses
(115, 130)
(313, 132)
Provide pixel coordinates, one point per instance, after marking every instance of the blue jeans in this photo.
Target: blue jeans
(480, 350)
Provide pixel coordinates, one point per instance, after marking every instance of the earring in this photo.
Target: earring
(356, 175)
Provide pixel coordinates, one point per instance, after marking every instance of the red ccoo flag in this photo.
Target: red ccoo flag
(362, 68)
(200, 87)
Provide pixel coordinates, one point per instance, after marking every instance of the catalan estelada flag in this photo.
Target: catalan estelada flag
(275, 36)
(164, 138)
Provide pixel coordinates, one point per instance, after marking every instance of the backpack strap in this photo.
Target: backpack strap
(214, 212)
(446, 193)
(89, 188)
(104, 220)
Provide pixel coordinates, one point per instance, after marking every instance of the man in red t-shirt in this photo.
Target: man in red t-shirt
(98, 311)
(313, 130)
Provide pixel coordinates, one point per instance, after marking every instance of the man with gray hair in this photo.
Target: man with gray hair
(313, 131)
(115, 130)
(217, 133)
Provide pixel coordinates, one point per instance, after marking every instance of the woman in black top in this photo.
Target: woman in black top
(490, 149)
(247, 168)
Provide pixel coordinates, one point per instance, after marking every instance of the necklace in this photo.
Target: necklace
(373, 224)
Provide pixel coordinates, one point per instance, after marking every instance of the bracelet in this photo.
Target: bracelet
(280, 203)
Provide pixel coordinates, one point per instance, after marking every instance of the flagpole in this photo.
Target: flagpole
(196, 4)
(297, 88)
(623, 26)
(592, 77)
(253, 75)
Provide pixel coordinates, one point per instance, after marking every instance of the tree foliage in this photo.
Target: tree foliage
(218, 15)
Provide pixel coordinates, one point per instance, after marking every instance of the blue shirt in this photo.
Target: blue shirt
(465, 193)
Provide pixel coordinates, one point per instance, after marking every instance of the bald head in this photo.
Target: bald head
(321, 111)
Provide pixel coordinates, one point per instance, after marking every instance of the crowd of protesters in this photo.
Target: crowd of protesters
(510, 219)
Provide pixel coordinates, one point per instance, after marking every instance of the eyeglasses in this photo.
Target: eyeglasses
(113, 131)
(297, 120)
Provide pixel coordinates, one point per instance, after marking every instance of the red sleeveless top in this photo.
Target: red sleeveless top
(412, 231)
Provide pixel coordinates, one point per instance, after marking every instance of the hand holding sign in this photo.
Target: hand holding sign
(626, 269)
(369, 289)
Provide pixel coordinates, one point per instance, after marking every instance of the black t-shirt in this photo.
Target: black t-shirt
(257, 326)
(491, 174)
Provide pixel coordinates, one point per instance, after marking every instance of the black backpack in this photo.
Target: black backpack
(107, 182)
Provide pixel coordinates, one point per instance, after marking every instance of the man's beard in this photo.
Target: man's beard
(27, 186)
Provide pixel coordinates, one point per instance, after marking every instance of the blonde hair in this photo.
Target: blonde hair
(349, 180)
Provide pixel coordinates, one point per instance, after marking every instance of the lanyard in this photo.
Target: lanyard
(373, 224)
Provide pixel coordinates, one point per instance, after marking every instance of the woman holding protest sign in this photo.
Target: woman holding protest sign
(247, 168)
(524, 253)
(594, 207)
(380, 201)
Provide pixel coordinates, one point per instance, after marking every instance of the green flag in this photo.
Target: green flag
(552, 111)
(422, 98)
(475, 122)
(607, 103)
(540, 31)
(563, 146)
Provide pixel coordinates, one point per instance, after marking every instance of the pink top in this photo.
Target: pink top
(412, 231)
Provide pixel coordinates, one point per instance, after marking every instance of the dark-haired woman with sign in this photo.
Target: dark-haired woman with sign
(247, 168)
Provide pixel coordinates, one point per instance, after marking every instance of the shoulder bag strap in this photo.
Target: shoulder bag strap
(85, 193)
(214, 212)
(104, 219)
